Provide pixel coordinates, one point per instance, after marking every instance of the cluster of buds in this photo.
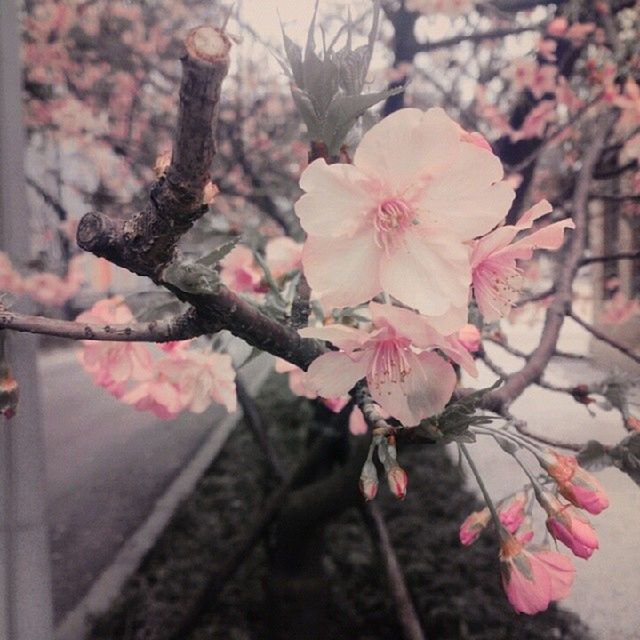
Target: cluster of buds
(396, 476)
(534, 576)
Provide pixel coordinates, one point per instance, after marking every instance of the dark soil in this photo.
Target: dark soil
(456, 590)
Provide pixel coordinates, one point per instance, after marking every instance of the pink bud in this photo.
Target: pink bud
(584, 491)
(369, 480)
(397, 479)
(470, 337)
(565, 523)
(512, 514)
(474, 525)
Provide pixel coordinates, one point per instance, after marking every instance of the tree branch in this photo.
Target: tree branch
(494, 34)
(612, 257)
(183, 327)
(532, 370)
(596, 333)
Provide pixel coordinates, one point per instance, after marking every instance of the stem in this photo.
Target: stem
(483, 489)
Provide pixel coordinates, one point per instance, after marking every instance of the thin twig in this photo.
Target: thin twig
(405, 609)
(596, 333)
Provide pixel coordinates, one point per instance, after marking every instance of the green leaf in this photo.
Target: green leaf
(192, 277)
(212, 258)
(343, 112)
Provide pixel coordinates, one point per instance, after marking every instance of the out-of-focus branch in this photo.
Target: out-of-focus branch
(182, 327)
(596, 333)
(612, 257)
(405, 609)
(536, 363)
(254, 419)
(493, 34)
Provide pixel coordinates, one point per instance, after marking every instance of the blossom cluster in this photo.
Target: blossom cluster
(164, 379)
(46, 288)
(414, 221)
(533, 575)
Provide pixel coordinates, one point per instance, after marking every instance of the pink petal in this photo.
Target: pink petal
(406, 323)
(357, 423)
(538, 210)
(339, 335)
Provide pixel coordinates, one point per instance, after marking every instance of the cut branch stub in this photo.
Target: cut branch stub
(146, 243)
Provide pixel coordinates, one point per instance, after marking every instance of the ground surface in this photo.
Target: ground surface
(106, 467)
(456, 590)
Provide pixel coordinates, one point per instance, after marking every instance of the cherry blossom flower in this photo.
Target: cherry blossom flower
(619, 309)
(398, 218)
(577, 485)
(567, 524)
(496, 278)
(113, 363)
(159, 396)
(409, 384)
(239, 271)
(629, 103)
(533, 578)
(282, 255)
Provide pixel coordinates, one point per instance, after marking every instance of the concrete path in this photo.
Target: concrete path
(107, 466)
(607, 586)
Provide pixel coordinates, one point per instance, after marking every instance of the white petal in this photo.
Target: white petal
(430, 273)
(406, 146)
(335, 373)
(336, 201)
(467, 200)
(342, 271)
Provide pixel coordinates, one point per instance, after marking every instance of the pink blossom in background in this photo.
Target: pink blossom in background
(111, 363)
(201, 378)
(619, 309)
(534, 578)
(357, 423)
(283, 255)
(536, 122)
(628, 101)
(158, 396)
(398, 218)
(497, 280)
(10, 279)
(567, 524)
(408, 383)
(239, 270)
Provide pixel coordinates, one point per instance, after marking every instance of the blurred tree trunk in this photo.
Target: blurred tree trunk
(25, 574)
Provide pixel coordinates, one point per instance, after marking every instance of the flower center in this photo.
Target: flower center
(392, 217)
(390, 362)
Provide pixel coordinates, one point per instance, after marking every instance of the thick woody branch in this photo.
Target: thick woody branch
(182, 327)
(536, 363)
(149, 238)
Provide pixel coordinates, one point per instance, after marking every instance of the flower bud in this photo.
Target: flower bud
(565, 523)
(9, 392)
(369, 480)
(397, 479)
(474, 525)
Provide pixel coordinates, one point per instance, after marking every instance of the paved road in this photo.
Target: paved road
(607, 585)
(106, 465)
